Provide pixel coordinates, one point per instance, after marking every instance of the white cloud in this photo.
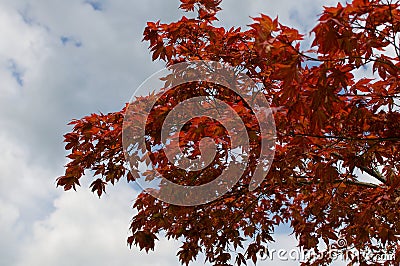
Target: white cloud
(301, 15)
(9, 231)
(26, 193)
(83, 230)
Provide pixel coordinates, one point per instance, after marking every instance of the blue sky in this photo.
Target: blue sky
(61, 60)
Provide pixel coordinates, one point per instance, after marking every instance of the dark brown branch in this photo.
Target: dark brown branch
(347, 182)
(344, 138)
(372, 172)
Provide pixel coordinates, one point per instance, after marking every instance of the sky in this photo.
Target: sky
(61, 60)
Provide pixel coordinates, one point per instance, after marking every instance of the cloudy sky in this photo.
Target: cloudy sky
(61, 60)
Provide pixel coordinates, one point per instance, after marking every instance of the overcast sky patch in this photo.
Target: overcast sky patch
(24, 12)
(16, 72)
(70, 40)
(96, 5)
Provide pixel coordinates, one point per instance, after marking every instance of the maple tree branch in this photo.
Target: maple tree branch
(389, 39)
(368, 96)
(367, 60)
(343, 138)
(360, 183)
(344, 181)
(372, 172)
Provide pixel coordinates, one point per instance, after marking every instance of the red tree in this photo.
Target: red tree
(330, 127)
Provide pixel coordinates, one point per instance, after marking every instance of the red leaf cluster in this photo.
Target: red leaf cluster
(331, 125)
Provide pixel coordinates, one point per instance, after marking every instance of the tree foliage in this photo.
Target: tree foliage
(331, 123)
